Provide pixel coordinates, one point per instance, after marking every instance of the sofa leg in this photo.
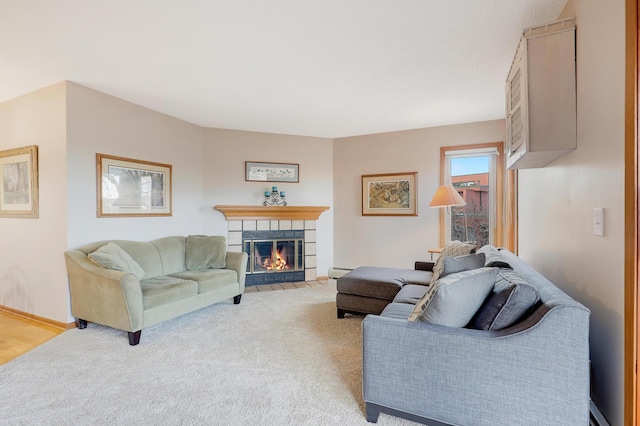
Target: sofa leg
(373, 411)
(236, 299)
(80, 323)
(341, 313)
(134, 337)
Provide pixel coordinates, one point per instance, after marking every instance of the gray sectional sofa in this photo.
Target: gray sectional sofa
(533, 372)
(129, 285)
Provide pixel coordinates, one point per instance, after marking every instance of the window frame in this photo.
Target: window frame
(504, 232)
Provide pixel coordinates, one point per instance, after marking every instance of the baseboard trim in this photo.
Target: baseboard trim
(32, 317)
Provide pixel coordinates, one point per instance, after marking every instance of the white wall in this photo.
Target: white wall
(394, 241)
(225, 153)
(33, 277)
(556, 202)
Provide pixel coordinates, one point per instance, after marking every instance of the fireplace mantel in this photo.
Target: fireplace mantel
(271, 212)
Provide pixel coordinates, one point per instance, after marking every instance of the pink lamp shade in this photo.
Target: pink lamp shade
(445, 196)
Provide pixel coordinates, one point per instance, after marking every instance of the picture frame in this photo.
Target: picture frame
(271, 172)
(390, 194)
(132, 188)
(19, 196)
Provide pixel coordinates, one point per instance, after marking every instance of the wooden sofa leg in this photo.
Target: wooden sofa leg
(134, 337)
(80, 323)
(236, 299)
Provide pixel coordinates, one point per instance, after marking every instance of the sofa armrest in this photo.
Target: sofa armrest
(424, 266)
(237, 261)
(538, 369)
(104, 296)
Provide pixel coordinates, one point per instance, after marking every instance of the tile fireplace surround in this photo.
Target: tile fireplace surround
(280, 218)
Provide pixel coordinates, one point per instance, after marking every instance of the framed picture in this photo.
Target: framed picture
(271, 172)
(19, 182)
(392, 194)
(127, 187)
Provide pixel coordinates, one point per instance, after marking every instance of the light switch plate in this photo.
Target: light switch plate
(598, 221)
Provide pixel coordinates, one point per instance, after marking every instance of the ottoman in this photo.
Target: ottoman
(369, 289)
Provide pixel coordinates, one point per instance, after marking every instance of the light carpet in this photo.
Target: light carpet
(277, 358)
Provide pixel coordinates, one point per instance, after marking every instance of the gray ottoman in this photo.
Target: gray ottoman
(369, 289)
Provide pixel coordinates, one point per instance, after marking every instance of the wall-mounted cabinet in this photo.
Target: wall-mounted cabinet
(541, 96)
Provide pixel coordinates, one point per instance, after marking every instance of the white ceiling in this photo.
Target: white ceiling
(327, 68)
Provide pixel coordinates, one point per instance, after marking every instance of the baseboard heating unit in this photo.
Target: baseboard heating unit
(335, 273)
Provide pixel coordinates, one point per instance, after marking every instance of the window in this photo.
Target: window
(477, 173)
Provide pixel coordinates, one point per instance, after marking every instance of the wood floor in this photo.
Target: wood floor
(19, 335)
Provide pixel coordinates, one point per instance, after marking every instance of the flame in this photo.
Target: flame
(276, 262)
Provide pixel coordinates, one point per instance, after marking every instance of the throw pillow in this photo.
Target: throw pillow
(112, 256)
(462, 263)
(451, 249)
(456, 292)
(205, 252)
(493, 257)
(511, 300)
(454, 302)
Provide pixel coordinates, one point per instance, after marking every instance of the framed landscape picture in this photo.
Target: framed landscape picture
(127, 187)
(19, 182)
(392, 194)
(271, 172)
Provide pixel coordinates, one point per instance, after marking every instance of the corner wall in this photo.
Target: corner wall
(394, 241)
(225, 153)
(33, 277)
(556, 202)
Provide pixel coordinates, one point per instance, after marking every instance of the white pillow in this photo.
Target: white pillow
(112, 256)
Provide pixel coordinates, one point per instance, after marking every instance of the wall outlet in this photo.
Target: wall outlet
(598, 221)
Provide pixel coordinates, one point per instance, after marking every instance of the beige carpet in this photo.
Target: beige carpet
(278, 358)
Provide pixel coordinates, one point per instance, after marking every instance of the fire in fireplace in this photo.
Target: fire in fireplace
(274, 256)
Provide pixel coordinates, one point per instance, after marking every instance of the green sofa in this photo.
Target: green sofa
(145, 283)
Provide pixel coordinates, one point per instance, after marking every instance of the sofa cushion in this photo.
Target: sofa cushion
(397, 311)
(209, 279)
(455, 297)
(378, 282)
(451, 249)
(462, 263)
(410, 294)
(112, 256)
(162, 290)
(455, 303)
(205, 252)
(493, 257)
(512, 298)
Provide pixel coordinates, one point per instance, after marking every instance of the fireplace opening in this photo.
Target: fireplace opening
(274, 256)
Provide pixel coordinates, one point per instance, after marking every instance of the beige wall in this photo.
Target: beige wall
(226, 151)
(99, 123)
(33, 278)
(394, 241)
(556, 202)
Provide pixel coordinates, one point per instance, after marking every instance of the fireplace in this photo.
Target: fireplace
(297, 223)
(274, 256)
